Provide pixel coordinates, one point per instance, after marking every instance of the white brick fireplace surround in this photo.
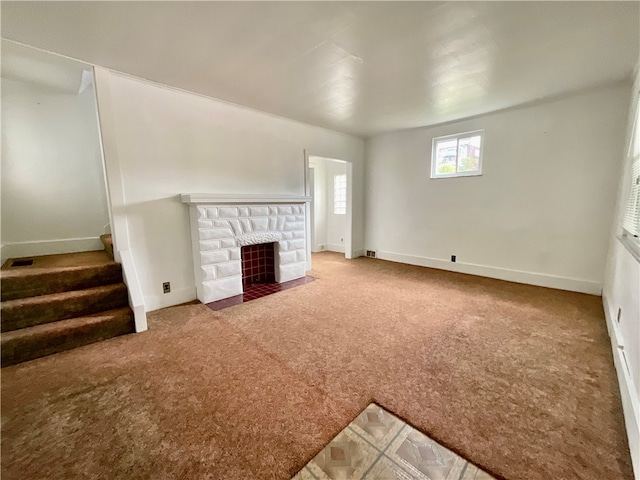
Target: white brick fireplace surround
(222, 224)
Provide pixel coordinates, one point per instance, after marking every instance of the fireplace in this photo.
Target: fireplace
(221, 225)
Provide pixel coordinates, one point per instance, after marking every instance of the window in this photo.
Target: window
(631, 219)
(457, 155)
(340, 194)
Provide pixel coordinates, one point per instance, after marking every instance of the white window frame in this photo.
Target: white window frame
(631, 207)
(457, 136)
(340, 194)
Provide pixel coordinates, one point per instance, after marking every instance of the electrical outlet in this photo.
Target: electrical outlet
(453, 258)
(619, 314)
(371, 254)
(342, 239)
(166, 287)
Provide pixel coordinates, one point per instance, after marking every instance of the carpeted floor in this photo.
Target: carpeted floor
(515, 378)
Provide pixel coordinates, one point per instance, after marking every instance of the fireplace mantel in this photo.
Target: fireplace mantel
(243, 199)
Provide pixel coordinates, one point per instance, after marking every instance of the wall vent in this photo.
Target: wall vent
(371, 254)
(25, 262)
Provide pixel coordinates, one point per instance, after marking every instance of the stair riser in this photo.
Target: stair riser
(17, 315)
(54, 282)
(107, 241)
(17, 350)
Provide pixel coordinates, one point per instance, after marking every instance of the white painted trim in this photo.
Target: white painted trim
(335, 248)
(226, 199)
(308, 208)
(347, 249)
(105, 178)
(518, 276)
(86, 80)
(136, 300)
(630, 401)
(176, 297)
(631, 244)
(358, 253)
(113, 171)
(50, 247)
(348, 240)
(116, 197)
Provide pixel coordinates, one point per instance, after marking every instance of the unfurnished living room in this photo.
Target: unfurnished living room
(320, 240)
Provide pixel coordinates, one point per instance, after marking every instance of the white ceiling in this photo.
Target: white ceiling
(357, 67)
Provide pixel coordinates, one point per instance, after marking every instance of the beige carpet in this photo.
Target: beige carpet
(517, 379)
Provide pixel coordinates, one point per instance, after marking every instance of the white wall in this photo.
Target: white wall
(539, 214)
(319, 240)
(622, 291)
(336, 224)
(53, 194)
(160, 142)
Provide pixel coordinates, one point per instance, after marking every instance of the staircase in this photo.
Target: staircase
(54, 303)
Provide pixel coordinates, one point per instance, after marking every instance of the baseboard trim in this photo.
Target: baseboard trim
(630, 401)
(50, 247)
(331, 247)
(518, 276)
(176, 297)
(358, 253)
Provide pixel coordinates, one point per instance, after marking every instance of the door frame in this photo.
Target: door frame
(310, 191)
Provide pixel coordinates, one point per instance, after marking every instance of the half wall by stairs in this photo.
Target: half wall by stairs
(54, 303)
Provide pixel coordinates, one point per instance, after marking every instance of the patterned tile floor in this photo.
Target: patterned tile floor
(258, 290)
(380, 446)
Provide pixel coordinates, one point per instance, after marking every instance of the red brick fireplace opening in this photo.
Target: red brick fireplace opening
(258, 264)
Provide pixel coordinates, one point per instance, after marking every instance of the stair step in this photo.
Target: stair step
(107, 241)
(28, 312)
(41, 340)
(37, 282)
(57, 273)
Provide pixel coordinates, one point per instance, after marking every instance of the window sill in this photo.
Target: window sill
(631, 245)
(456, 175)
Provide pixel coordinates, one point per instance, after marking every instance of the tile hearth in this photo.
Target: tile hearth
(379, 446)
(258, 290)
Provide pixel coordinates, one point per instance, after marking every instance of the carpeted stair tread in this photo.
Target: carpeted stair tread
(107, 241)
(30, 282)
(95, 257)
(27, 312)
(46, 339)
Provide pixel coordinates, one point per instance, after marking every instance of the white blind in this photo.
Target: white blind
(631, 221)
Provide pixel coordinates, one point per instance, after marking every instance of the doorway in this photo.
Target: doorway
(330, 182)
